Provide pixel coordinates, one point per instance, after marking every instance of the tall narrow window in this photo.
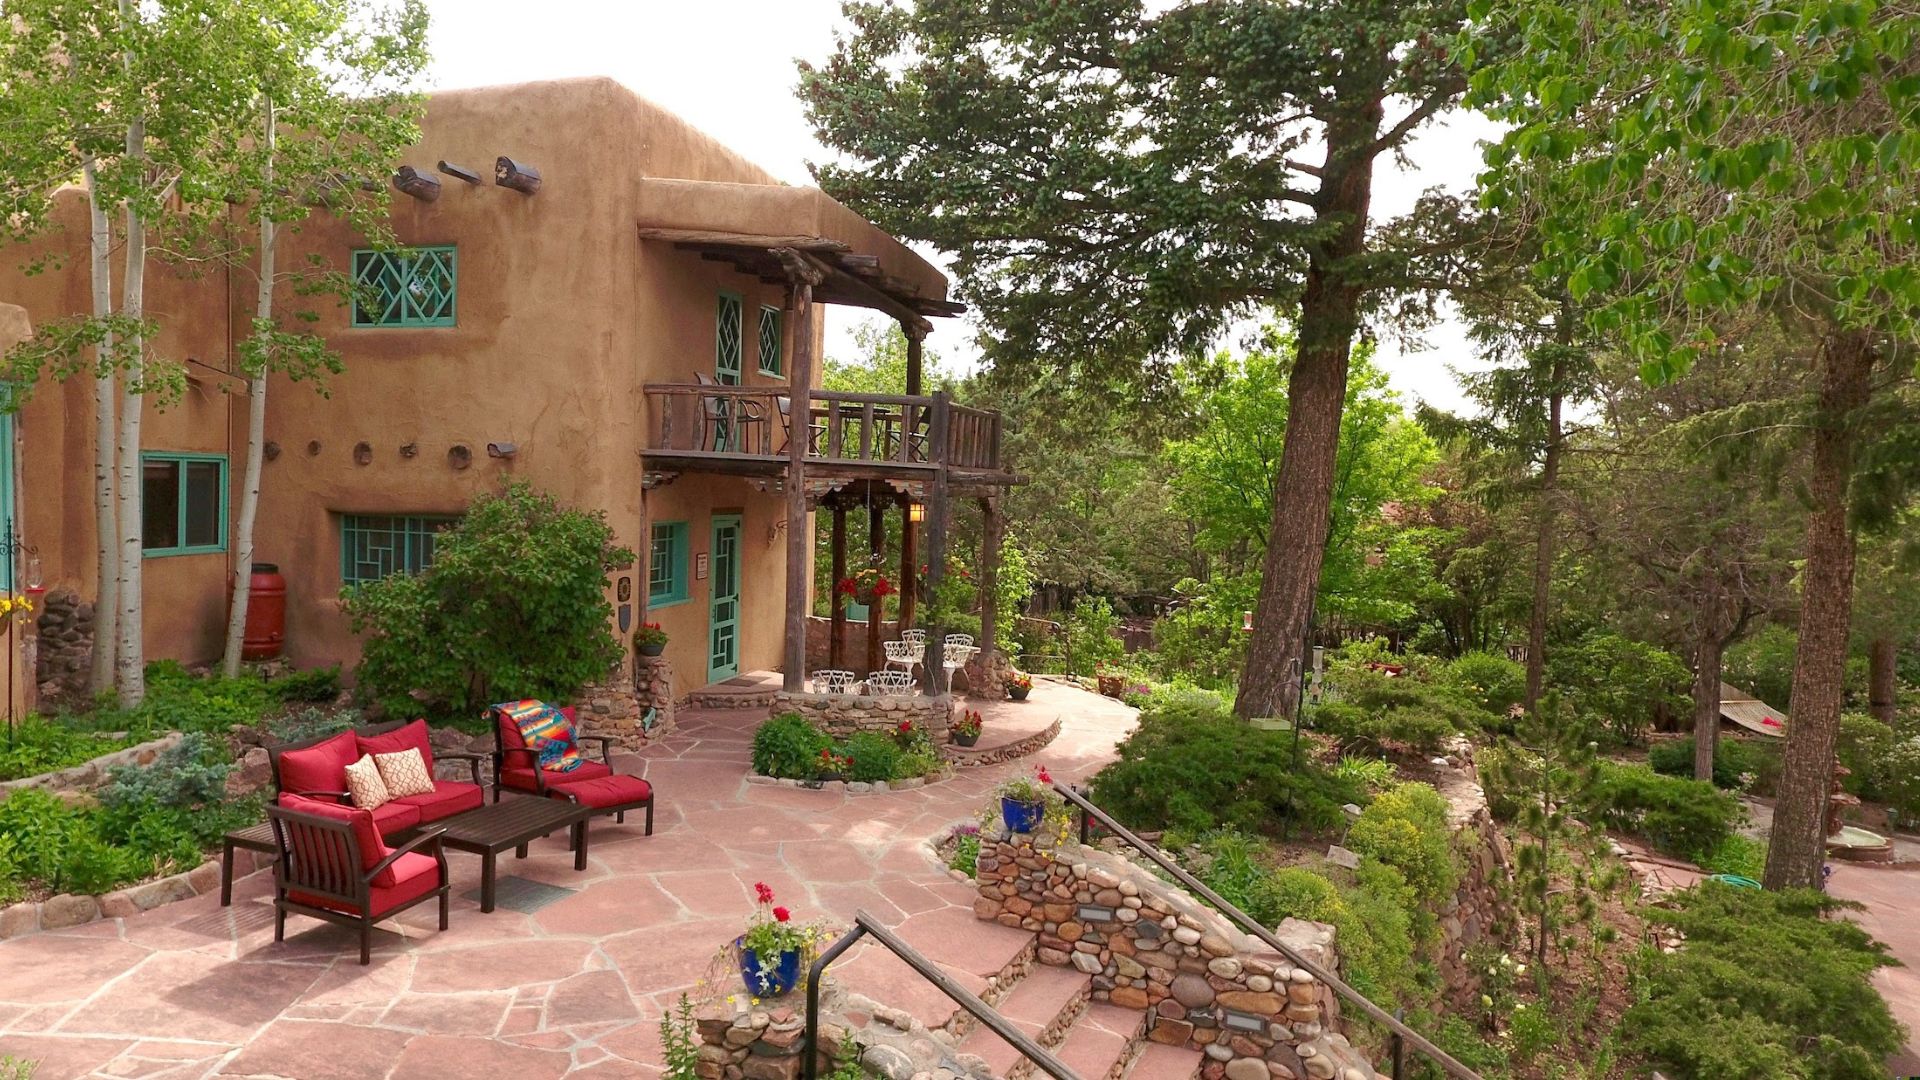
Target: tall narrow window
(771, 362)
(726, 335)
(183, 504)
(414, 287)
(667, 564)
(373, 546)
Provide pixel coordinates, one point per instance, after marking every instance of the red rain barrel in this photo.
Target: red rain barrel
(266, 613)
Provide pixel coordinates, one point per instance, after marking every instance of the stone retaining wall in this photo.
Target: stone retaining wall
(840, 715)
(65, 629)
(854, 642)
(91, 774)
(73, 909)
(1477, 909)
(968, 758)
(1149, 946)
(619, 705)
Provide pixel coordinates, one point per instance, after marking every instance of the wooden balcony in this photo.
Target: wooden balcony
(745, 431)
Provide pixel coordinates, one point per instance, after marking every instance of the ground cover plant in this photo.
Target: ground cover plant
(790, 746)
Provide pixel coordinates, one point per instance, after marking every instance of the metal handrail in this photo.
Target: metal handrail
(1402, 1034)
(865, 924)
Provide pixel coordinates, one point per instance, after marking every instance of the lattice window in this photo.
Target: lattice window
(771, 362)
(727, 334)
(414, 287)
(373, 546)
(667, 564)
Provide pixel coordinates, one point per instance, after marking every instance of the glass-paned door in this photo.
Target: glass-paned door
(723, 621)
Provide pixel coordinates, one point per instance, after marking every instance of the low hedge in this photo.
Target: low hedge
(1687, 818)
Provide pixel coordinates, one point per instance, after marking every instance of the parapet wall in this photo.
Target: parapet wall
(841, 715)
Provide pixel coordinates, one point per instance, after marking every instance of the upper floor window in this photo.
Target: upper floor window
(667, 564)
(727, 331)
(372, 546)
(183, 504)
(771, 362)
(412, 287)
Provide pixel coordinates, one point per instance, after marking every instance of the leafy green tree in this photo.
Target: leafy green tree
(1375, 568)
(514, 606)
(330, 100)
(1724, 160)
(1120, 181)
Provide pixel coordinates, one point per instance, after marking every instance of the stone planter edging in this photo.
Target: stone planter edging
(91, 773)
(852, 787)
(968, 758)
(66, 910)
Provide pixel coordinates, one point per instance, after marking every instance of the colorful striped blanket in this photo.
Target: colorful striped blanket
(546, 731)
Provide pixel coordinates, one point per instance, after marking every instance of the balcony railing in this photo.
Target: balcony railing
(907, 431)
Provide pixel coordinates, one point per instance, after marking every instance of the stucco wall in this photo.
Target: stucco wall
(563, 315)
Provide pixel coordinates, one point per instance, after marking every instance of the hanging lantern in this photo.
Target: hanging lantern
(1246, 621)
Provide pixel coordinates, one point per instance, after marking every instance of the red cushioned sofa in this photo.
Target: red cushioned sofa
(332, 864)
(591, 783)
(316, 769)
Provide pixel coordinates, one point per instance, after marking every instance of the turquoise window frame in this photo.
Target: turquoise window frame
(771, 340)
(412, 539)
(729, 305)
(181, 461)
(673, 589)
(398, 310)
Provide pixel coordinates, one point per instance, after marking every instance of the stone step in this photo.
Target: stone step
(1100, 1044)
(1160, 1062)
(985, 958)
(1042, 1005)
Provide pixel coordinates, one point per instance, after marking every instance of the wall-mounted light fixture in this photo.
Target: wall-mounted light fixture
(916, 512)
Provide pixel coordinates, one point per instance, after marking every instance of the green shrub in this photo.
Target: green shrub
(875, 756)
(1196, 768)
(1371, 774)
(1493, 683)
(1406, 828)
(1766, 986)
(915, 762)
(1092, 633)
(310, 722)
(44, 744)
(1202, 640)
(313, 685)
(513, 606)
(1373, 708)
(1626, 683)
(789, 746)
(1738, 765)
(1741, 855)
(188, 774)
(966, 853)
(1687, 818)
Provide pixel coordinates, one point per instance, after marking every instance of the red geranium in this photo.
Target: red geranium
(781, 914)
(1045, 778)
(765, 894)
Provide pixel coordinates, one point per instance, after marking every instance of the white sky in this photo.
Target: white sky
(727, 66)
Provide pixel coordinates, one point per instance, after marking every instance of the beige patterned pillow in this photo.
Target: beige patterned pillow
(365, 786)
(405, 773)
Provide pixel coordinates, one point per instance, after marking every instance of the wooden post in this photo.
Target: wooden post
(909, 533)
(937, 536)
(993, 531)
(802, 277)
(837, 624)
(876, 545)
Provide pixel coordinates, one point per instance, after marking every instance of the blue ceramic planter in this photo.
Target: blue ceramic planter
(1021, 817)
(777, 979)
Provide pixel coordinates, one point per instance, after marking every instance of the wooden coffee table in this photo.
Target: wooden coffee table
(513, 823)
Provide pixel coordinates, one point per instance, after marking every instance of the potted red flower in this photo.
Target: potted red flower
(1023, 800)
(774, 946)
(865, 587)
(1019, 685)
(965, 730)
(650, 640)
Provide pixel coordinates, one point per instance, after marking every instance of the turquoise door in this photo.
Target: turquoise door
(723, 619)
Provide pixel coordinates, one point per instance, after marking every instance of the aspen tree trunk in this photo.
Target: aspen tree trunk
(256, 434)
(106, 598)
(131, 663)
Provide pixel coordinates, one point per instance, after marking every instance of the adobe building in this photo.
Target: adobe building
(595, 298)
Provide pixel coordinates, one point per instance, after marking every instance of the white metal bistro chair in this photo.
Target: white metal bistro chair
(890, 681)
(915, 636)
(903, 654)
(963, 640)
(955, 656)
(832, 681)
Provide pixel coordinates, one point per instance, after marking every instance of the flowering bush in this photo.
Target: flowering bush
(650, 634)
(968, 724)
(833, 764)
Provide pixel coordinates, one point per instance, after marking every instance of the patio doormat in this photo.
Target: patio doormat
(523, 895)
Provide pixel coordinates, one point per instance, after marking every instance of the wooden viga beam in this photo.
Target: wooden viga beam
(522, 178)
(419, 185)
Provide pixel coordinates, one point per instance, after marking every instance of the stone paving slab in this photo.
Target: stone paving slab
(576, 989)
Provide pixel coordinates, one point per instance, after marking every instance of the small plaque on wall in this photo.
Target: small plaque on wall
(700, 567)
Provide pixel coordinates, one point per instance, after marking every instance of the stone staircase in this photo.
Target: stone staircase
(921, 1030)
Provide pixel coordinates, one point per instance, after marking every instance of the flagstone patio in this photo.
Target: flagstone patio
(575, 988)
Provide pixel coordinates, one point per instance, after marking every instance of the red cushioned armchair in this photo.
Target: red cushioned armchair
(333, 866)
(591, 783)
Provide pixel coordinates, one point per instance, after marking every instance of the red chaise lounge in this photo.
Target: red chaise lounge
(591, 783)
(332, 865)
(316, 769)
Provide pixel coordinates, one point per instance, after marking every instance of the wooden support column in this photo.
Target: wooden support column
(937, 537)
(993, 530)
(876, 547)
(802, 276)
(909, 532)
(837, 624)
